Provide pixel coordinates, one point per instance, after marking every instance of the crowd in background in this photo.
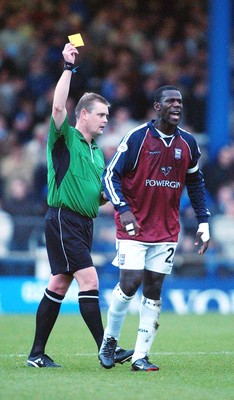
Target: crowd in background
(131, 48)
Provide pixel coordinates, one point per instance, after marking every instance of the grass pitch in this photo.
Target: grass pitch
(195, 355)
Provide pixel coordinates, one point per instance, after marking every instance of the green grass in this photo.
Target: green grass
(195, 355)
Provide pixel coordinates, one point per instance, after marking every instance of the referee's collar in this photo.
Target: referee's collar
(82, 139)
(93, 143)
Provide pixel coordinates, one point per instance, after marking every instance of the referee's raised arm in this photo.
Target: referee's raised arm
(62, 88)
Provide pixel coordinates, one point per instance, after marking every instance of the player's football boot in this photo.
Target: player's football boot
(121, 355)
(106, 353)
(143, 364)
(41, 361)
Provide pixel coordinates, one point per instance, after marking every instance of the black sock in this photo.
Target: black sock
(46, 316)
(90, 311)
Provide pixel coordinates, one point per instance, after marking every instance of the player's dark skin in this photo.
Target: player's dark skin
(168, 112)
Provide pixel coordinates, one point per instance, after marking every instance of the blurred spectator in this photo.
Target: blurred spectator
(120, 121)
(15, 164)
(225, 193)
(36, 150)
(19, 200)
(39, 79)
(6, 231)
(10, 87)
(3, 128)
(195, 110)
(36, 147)
(4, 133)
(43, 105)
(20, 205)
(193, 38)
(222, 226)
(23, 121)
(165, 36)
(220, 171)
(39, 186)
(11, 40)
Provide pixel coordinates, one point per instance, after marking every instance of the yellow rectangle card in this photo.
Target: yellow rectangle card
(76, 40)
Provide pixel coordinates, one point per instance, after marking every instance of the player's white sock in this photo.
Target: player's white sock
(116, 313)
(148, 325)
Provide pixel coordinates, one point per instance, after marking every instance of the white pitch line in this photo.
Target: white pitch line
(169, 353)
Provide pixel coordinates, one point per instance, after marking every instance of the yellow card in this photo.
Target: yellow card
(76, 40)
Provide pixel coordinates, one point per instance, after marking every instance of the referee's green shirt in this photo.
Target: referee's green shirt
(75, 169)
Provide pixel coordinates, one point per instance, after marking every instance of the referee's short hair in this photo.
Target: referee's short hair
(87, 100)
(158, 94)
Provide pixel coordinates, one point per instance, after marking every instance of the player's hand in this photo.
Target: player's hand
(129, 223)
(203, 235)
(69, 53)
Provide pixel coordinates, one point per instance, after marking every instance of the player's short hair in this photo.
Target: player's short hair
(158, 94)
(87, 101)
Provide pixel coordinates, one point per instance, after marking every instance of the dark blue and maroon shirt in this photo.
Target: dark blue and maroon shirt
(147, 175)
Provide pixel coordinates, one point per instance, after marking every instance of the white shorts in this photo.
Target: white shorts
(156, 257)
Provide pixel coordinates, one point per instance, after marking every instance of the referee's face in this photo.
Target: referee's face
(97, 119)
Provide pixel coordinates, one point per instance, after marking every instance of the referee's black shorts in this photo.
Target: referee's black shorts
(68, 240)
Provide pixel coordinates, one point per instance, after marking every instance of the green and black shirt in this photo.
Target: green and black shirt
(75, 169)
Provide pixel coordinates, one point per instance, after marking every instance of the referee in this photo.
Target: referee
(75, 167)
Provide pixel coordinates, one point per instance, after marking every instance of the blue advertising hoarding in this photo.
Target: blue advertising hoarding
(180, 295)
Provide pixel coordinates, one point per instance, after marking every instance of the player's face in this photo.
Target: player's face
(171, 106)
(97, 119)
